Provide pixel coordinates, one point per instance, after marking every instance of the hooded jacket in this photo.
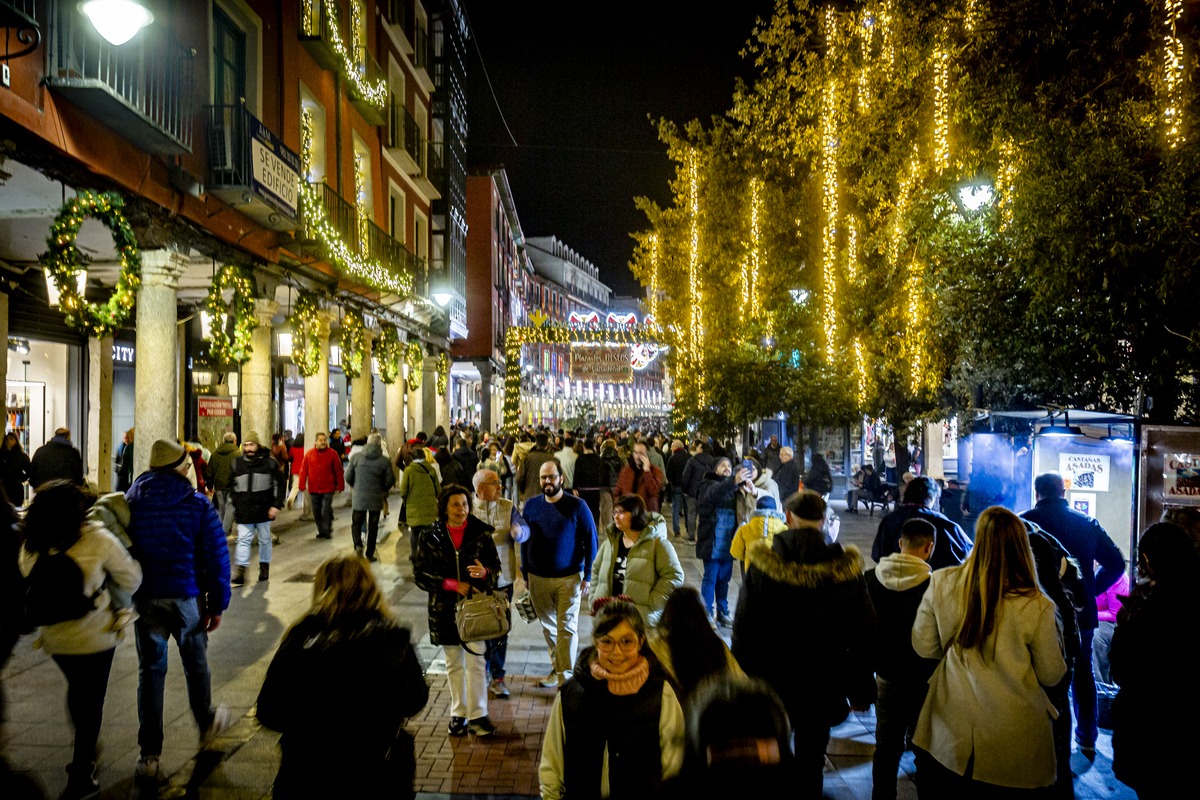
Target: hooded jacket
(220, 466)
(57, 459)
(693, 474)
(258, 486)
(896, 586)
(371, 475)
(112, 511)
(762, 526)
(438, 567)
(652, 569)
(419, 487)
(676, 464)
(179, 541)
(748, 504)
(321, 472)
(716, 508)
(950, 544)
(805, 624)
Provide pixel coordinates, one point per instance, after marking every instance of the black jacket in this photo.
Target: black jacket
(435, 561)
(787, 478)
(256, 485)
(805, 624)
(1084, 539)
(57, 459)
(693, 474)
(590, 472)
(716, 508)
(14, 470)
(951, 545)
(467, 461)
(676, 465)
(319, 722)
(896, 611)
(1059, 576)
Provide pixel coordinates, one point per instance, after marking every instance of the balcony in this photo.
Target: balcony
(249, 167)
(20, 16)
(421, 58)
(341, 216)
(318, 32)
(142, 89)
(399, 15)
(394, 257)
(428, 181)
(372, 75)
(404, 139)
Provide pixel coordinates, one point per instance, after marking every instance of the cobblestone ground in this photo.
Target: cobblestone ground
(36, 736)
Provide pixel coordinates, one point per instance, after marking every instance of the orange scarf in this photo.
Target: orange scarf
(624, 683)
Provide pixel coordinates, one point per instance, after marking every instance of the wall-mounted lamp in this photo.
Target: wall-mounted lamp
(117, 21)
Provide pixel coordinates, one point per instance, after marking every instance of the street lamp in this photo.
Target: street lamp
(116, 20)
(974, 198)
(441, 292)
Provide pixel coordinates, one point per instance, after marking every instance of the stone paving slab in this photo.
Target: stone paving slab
(35, 737)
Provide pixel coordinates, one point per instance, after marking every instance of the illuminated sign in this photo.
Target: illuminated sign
(123, 354)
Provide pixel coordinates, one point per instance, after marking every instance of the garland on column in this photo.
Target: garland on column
(64, 260)
(416, 362)
(443, 373)
(305, 322)
(237, 350)
(388, 354)
(353, 344)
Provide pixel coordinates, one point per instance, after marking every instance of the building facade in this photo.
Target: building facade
(301, 146)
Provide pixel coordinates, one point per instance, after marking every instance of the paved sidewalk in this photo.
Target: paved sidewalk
(35, 737)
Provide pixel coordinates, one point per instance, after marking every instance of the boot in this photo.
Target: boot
(239, 576)
(81, 783)
(264, 572)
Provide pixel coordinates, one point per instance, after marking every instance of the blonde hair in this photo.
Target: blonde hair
(345, 585)
(1001, 564)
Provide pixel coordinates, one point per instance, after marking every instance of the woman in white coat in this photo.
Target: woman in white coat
(985, 729)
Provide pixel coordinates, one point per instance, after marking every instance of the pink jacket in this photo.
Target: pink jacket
(1109, 603)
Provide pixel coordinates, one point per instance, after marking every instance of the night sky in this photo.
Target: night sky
(576, 83)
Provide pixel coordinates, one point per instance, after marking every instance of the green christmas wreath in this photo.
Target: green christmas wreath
(416, 363)
(64, 260)
(305, 322)
(236, 349)
(353, 343)
(443, 373)
(388, 350)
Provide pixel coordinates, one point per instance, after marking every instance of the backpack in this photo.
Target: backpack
(54, 591)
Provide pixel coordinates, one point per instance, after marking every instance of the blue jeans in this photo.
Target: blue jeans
(159, 622)
(678, 505)
(715, 584)
(1083, 691)
(246, 533)
(497, 649)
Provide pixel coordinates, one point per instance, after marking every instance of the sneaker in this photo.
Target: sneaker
(724, 620)
(372, 558)
(81, 783)
(358, 551)
(222, 720)
(147, 769)
(481, 727)
(550, 681)
(458, 726)
(239, 576)
(324, 536)
(498, 688)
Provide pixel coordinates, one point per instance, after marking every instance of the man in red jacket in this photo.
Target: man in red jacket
(642, 478)
(321, 475)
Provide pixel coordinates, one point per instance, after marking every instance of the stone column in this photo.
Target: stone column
(258, 410)
(156, 408)
(181, 372)
(932, 447)
(316, 387)
(4, 365)
(430, 401)
(397, 428)
(360, 394)
(99, 438)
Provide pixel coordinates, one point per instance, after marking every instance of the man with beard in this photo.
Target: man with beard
(556, 560)
(258, 487)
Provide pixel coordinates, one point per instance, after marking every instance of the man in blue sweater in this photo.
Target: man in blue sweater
(556, 560)
(179, 541)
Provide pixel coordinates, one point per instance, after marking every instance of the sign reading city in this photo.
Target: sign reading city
(1181, 476)
(604, 364)
(1084, 472)
(276, 169)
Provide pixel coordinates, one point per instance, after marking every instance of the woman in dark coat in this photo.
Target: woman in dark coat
(819, 478)
(14, 469)
(451, 558)
(304, 695)
(452, 472)
(1153, 657)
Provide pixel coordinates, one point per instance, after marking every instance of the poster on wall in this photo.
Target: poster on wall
(1181, 477)
(1084, 471)
(214, 416)
(1084, 503)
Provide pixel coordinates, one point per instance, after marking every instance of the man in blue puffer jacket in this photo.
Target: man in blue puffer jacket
(180, 543)
(716, 502)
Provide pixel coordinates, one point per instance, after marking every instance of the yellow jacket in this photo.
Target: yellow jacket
(762, 526)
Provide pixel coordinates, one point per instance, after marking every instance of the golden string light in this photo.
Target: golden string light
(969, 18)
(755, 200)
(912, 333)
(1173, 75)
(306, 142)
(888, 32)
(745, 304)
(1006, 178)
(896, 240)
(866, 32)
(941, 104)
(860, 368)
(851, 249)
(654, 276)
(360, 199)
(697, 349)
(829, 142)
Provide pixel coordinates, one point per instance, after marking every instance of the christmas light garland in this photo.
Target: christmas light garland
(941, 103)
(829, 143)
(860, 368)
(866, 34)
(888, 32)
(969, 19)
(305, 323)
(223, 348)
(415, 356)
(1006, 178)
(360, 199)
(64, 260)
(353, 343)
(1173, 66)
(374, 93)
(696, 340)
(755, 201)
(912, 334)
(443, 373)
(387, 354)
(654, 275)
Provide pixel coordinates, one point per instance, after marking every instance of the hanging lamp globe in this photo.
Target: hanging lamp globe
(117, 21)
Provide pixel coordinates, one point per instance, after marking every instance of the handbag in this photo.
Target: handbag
(481, 617)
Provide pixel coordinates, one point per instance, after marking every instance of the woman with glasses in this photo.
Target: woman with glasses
(616, 728)
(635, 559)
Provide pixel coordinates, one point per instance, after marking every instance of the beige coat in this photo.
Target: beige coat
(991, 705)
(510, 531)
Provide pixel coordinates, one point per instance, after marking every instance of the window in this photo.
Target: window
(229, 59)
(315, 112)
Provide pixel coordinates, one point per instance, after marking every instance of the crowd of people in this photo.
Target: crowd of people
(977, 649)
